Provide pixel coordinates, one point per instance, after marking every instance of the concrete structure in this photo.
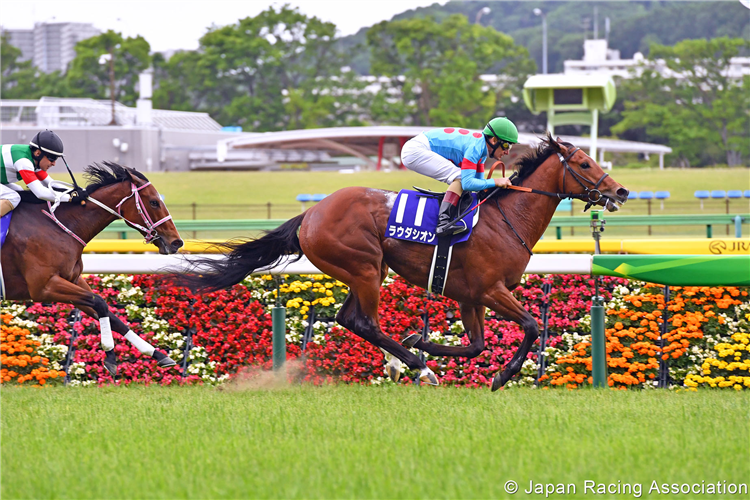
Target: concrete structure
(50, 46)
(154, 140)
(571, 100)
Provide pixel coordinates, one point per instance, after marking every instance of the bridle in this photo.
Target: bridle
(592, 195)
(149, 232)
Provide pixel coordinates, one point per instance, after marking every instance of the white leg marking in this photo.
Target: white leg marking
(139, 343)
(108, 343)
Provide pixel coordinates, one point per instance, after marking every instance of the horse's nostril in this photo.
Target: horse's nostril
(622, 193)
(177, 244)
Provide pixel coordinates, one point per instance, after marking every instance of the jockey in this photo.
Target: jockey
(457, 157)
(30, 164)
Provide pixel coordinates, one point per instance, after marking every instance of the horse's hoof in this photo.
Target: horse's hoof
(500, 380)
(110, 362)
(427, 376)
(411, 340)
(393, 369)
(166, 362)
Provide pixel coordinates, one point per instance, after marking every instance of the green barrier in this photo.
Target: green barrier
(278, 317)
(678, 270)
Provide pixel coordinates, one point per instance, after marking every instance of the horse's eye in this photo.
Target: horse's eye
(585, 165)
(154, 204)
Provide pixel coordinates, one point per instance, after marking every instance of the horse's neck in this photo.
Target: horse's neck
(86, 222)
(531, 213)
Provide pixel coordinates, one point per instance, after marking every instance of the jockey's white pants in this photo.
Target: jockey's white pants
(416, 155)
(10, 194)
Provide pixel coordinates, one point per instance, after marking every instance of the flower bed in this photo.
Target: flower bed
(231, 330)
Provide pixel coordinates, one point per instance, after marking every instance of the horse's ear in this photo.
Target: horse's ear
(133, 178)
(552, 142)
(562, 148)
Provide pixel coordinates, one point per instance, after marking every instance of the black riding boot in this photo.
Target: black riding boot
(445, 226)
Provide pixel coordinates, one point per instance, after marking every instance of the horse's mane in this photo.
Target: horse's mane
(108, 173)
(529, 162)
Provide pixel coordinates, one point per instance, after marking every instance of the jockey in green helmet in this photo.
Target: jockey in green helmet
(457, 157)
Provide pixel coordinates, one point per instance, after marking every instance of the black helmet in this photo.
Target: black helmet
(48, 142)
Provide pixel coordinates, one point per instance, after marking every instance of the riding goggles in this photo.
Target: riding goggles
(505, 145)
(51, 157)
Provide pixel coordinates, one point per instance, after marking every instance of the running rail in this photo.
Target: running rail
(676, 270)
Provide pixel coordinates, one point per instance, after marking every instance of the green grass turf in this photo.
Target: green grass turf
(362, 442)
(283, 187)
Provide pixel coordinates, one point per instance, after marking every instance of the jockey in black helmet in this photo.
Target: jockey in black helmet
(29, 164)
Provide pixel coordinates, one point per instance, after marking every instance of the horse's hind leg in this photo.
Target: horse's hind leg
(500, 300)
(361, 317)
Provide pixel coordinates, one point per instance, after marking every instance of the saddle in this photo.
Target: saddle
(29, 197)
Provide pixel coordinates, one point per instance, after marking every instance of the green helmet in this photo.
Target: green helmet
(503, 129)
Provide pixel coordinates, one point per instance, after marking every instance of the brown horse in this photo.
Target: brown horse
(344, 236)
(40, 262)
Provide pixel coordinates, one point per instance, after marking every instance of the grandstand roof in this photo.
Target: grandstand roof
(364, 142)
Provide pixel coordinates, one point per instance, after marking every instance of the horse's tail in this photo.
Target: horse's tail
(242, 258)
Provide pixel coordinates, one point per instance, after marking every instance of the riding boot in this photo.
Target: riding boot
(5, 207)
(446, 226)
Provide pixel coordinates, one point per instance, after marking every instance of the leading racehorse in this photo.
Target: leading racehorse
(41, 257)
(345, 237)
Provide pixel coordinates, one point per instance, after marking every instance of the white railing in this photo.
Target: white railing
(152, 263)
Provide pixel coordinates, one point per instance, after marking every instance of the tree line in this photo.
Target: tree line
(284, 70)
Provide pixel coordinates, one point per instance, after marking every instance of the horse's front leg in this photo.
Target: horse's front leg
(58, 289)
(109, 322)
(500, 300)
(473, 319)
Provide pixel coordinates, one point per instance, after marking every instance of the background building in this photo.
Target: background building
(599, 59)
(50, 46)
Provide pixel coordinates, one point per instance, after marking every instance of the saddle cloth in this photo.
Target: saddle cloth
(414, 218)
(4, 225)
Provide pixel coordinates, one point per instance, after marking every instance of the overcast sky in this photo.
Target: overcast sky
(178, 24)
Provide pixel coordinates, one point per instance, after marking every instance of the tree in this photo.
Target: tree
(89, 73)
(684, 97)
(276, 70)
(434, 71)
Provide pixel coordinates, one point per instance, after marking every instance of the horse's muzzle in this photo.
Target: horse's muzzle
(175, 245)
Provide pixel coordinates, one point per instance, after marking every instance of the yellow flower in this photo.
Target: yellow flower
(329, 293)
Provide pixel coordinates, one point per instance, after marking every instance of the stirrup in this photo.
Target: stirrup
(451, 229)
